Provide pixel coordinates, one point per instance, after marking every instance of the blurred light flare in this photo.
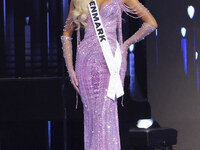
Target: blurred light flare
(196, 55)
(191, 11)
(131, 47)
(183, 31)
(144, 123)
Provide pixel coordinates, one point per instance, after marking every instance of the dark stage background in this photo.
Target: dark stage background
(173, 69)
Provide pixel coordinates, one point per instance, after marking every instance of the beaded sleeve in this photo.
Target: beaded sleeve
(67, 45)
(137, 11)
(68, 54)
(144, 30)
(68, 24)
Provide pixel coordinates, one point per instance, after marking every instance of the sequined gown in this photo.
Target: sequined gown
(101, 124)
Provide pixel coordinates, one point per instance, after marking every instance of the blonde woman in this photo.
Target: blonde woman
(91, 75)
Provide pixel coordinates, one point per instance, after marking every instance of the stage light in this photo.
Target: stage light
(49, 135)
(132, 69)
(183, 31)
(196, 55)
(156, 46)
(184, 47)
(191, 11)
(156, 32)
(27, 20)
(144, 123)
(131, 47)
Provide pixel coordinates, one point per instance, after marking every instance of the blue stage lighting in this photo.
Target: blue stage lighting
(27, 20)
(191, 11)
(49, 135)
(184, 47)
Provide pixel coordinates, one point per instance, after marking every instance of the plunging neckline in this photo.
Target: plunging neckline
(105, 5)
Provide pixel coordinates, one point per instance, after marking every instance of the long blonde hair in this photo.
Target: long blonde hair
(80, 12)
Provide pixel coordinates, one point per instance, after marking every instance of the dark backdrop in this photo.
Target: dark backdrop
(174, 95)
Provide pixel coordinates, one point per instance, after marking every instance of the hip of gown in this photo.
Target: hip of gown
(92, 71)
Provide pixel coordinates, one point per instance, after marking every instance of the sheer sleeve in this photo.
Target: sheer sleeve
(135, 12)
(66, 40)
(138, 10)
(67, 53)
(144, 30)
(69, 23)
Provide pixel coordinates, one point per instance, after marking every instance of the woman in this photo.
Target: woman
(91, 75)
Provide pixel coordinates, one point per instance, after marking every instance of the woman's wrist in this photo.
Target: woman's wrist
(64, 37)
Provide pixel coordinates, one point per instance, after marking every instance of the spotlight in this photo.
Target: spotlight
(156, 32)
(149, 135)
(27, 20)
(144, 123)
(147, 124)
(196, 55)
(191, 11)
(131, 47)
(183, 31)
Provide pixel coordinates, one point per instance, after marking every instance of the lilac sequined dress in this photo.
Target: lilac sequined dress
(101, 124)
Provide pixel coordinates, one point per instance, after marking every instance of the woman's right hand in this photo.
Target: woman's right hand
(74, 80)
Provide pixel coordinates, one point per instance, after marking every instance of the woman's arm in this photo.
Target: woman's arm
(69, 24)
(66, 40)
(141, 12)
(134, 7)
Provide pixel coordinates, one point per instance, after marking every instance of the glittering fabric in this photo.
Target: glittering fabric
(101, 124)
(101, 127)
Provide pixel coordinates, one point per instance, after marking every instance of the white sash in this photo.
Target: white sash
(115, 86)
